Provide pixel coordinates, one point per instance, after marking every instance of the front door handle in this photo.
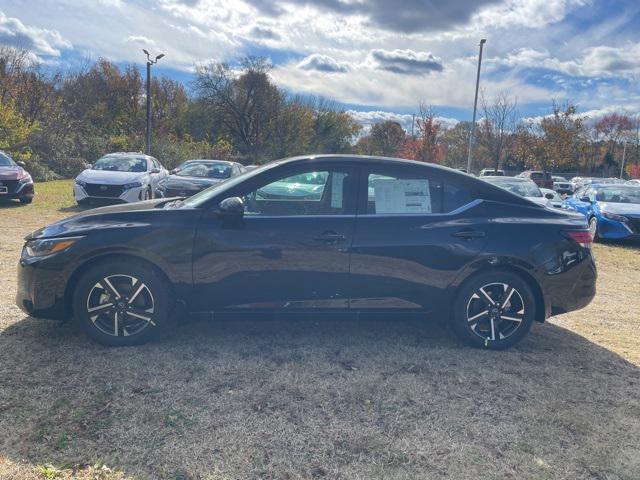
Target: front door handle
(330, 237)
(469, 234)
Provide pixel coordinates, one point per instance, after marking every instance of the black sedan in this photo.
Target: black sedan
(378, 234)
(196, 175)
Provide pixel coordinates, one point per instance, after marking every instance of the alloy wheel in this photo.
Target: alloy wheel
(495, 311)
(121, 305)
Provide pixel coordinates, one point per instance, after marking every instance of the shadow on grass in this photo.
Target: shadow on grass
(379, 396)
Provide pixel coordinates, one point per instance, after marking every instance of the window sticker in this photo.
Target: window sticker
(337, 189)
(402, 196)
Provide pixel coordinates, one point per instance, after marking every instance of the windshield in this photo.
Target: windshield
(205, 170)
(5, 160)
(198, 199)
(121, 164)
(619, 195)
(524, 189)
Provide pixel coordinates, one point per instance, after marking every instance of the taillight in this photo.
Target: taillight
(582, 237)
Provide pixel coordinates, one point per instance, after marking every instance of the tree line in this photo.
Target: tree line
(57, 121)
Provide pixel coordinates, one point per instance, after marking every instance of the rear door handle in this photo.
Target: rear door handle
(469, 234)
(330, 237)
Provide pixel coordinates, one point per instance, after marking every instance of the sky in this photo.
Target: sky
(377, 58)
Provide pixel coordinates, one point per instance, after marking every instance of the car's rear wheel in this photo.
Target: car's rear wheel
(493, 310)
(26, 200)
(121, 303)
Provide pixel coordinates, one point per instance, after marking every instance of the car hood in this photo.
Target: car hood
(539, 200)
(97, 218)
(620, 208)
(11, 173)
(175, 181)
(107, 177)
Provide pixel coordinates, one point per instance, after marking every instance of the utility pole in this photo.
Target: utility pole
(624, 154)
(149, 63)
(475, 108)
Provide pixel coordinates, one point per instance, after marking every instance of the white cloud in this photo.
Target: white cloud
(322, 63)
(368, 118)
(140, 40)
(405, 61)
(40, 41)
(597, 61)
(367, 85)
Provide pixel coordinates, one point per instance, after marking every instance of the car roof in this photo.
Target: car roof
(499, 178)
(209, 160)
(379, 160)
(127, 154)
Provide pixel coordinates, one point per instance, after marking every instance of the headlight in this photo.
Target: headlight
(127, 186)
(26, 179)
(82, 183)
(613, 216)
(47, 246)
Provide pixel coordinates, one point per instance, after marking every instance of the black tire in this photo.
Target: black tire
(26, 200)
(499, 329)
(136, 317)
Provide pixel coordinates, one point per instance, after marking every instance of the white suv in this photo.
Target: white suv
(119, 178)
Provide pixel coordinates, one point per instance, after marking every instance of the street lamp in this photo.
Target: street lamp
(150, 62)
(475, 108)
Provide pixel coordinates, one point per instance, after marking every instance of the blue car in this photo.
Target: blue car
(613, 211)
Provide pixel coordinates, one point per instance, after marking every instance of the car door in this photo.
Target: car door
(413, 235)
(289, 250)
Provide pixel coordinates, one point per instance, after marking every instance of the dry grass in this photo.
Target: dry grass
(321, 398)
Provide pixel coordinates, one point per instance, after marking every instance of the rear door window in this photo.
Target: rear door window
(412, 192)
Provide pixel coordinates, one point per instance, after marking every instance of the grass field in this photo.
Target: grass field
(315, 398)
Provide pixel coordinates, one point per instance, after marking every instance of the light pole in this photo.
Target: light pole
(150, 62)
(624, 154)
(475, 108)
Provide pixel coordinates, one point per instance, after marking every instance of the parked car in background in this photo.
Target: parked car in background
(540, 178)
(585, 181)
(491, 172)
(119, 178)
(15, 181)
(520, 186)
(306, 186)
(554, 197)
(562, 185)
(634, 181)
(429, 240)
(196, 175)
(612, 210)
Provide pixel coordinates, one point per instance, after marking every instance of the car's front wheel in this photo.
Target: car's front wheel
(493, 310)
(121, 303)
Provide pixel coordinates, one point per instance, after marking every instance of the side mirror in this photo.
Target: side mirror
(549, 196)
(585, 199)
(87, 165)
(231, 207)
(173, 171)
(155, 170)
(21, 164)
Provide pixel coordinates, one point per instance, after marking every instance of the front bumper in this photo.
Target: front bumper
(127, 196)
(615, 230)
(23, 190)
(39, 293)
